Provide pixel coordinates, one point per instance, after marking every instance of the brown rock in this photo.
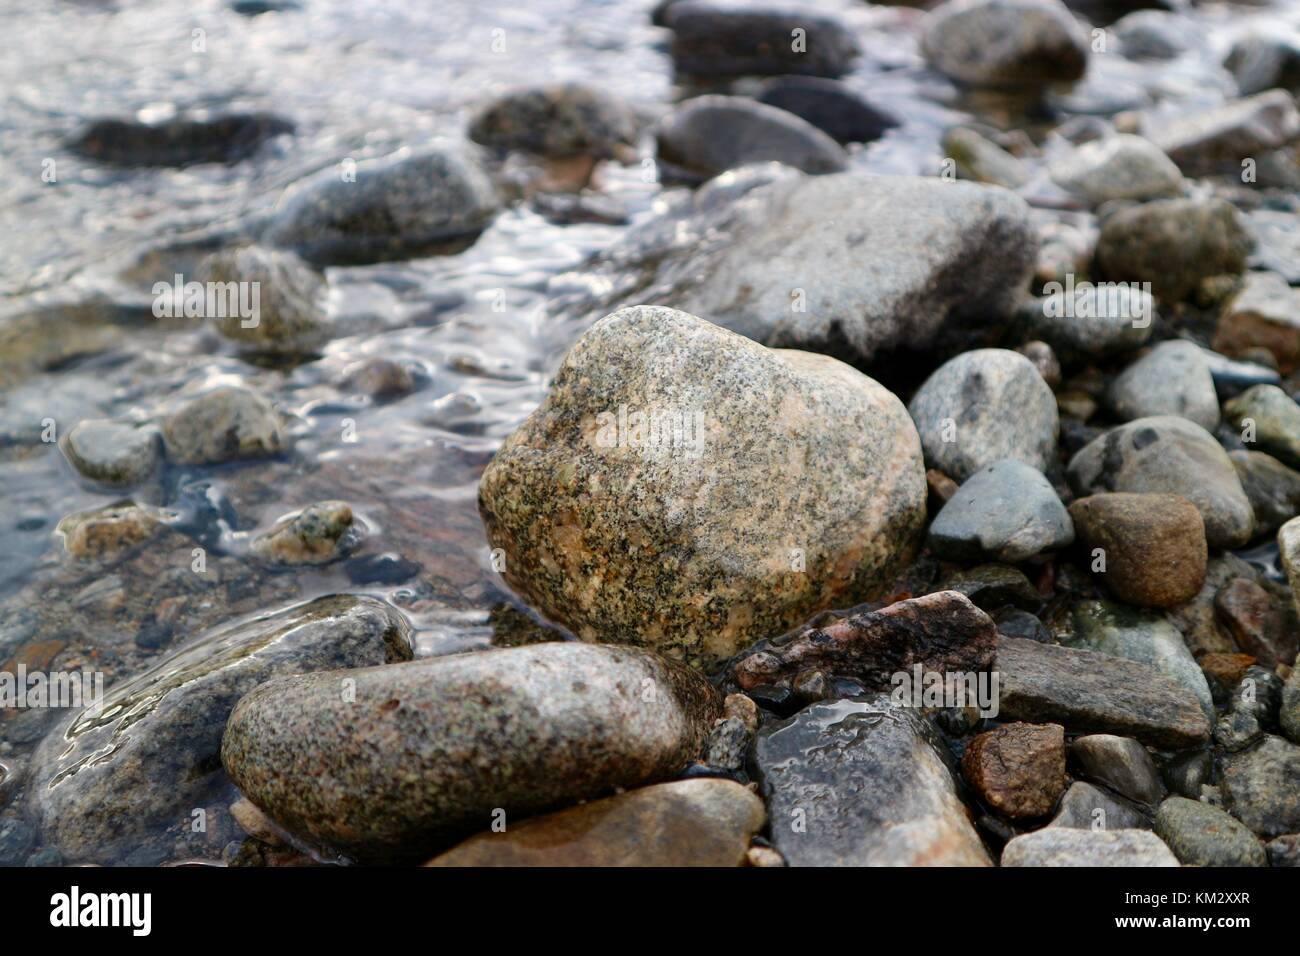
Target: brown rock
(941, 488)
(1154, 545)
(107, 532)
(1257, 622)
(942, 632)
(1264, 314)
(1019, 769)
(1223, 672)
(702, 822)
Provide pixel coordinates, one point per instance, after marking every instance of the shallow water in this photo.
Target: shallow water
(358, 80)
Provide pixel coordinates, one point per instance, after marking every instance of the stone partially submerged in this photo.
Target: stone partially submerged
(863, 783)
(851, 265)
(689, 490)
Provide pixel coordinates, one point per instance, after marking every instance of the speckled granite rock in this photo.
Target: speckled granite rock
(109, 532)
(1154, 545)
(708, 135)
(224, 424)
(863, 783)
(1085, 807)
(1169, 454)
(1204, 142)
(1121, 631)
(116, 783)
(698, 546)
(400, 206)
(1018, 769)
(1060, 846)
(1173, 244)
(289, 317)
(566, 119)
(1122, 764)
(1289, 711)
(941, 632)
(1088, 692)
(982, 406)
(1172, 379)
(1276, 421)
(690, 823)
(419, 755)
(318, 534)
(1006, 512)
(852, 265)
(1261, 786)
(1005, 43)
(1202, 835)
(712, 39)
(113, 453)
(1118, 167)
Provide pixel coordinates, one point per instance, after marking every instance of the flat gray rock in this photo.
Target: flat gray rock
(1202, 835)
(113, 453)
(721, 39)
(1261, 787)
(1058, 846)
(863, 783)
(1122, 764)
(401, 206)
(1205, 142)
(1005, 512)
(852, 265)
(1172, 379)
(1005, 43)
(1122, 166)
(1085, 807)
(708, 135)
(983, 406)
(1090, 319)
(404, 759)
(1164, 453)
(1088, 692)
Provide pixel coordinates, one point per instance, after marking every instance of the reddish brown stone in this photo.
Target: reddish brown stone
(1018, 769)
(942, 632)
(1224, 672)
(1154, 545)
(1258, 623)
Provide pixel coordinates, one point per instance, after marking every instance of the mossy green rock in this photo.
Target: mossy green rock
(781, 483)
(409, 758)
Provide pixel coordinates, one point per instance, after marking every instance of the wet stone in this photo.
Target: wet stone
(1289, 711)
(1261, 787)
(112, 453)
(318, 534)
(1260, 623)
(567, 119)
(695, 823)
(225, 424)
(1005, 43)
(1018, 769)
(695, 547)
(397, 207)
(1006, 512)
(287, 315)
(108, 533)
(1153, 544)
(1057, 846)
(1272, 487)
(942, 633)
(1265, 314)
(863, 783)
(1202, 835)
(712, 39)
(182, 141)
(1153, 35)
(1085, 807)
(420, 755)
(1284, 850)
(983, 406)
(1169, 454)
(708, 135)
(1120, 763)
(834, 108)
(1088, 692)
(121, 779)
(991, 586)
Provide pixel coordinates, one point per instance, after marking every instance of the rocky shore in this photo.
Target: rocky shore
(847, 503)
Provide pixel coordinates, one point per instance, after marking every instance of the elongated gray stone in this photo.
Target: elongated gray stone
(1061, 846)
(405, 759)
